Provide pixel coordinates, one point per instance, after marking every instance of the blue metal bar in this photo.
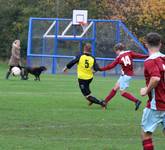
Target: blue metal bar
(64, 56)
(29, 37)
(94, 39)
(133, 37)
(94, 31)
(100, 58)
(117, 68)
(28, 61)
(50, 56)
(80, 47)
(117, 32)
(67, 19)
(111, 59)
(29, 42)
(103, 20)
(75, 39)
(43, 49)
(54, 65)
(138, 60)
(104, 72)
(93, 47)
(51, 19)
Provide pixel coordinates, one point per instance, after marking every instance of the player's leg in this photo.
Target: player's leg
(89, 97)
(8, 72)
(147, 142)
(132, 98)
(124, 84)
(84, 87)
(148, 128)
(112, 93)
(150, 120)
(94, 100)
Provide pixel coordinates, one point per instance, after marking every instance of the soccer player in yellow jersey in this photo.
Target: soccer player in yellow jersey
(86, 63)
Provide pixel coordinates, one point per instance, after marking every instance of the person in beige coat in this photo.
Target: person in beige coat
(15, 57)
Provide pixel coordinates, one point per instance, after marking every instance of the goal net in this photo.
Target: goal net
(53, 42)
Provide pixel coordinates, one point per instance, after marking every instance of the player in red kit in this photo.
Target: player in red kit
(125, 60)
(154, 72)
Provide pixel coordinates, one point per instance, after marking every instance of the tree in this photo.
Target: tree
(141, 16)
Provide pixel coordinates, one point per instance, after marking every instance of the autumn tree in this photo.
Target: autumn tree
(140, 16)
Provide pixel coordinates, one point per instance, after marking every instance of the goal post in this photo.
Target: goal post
(55, 41)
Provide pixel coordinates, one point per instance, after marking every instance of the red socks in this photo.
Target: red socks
(125, 94)
(130, 97)
(147, 145)
(111, 94)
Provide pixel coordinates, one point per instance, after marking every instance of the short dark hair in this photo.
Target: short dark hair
(119, 46)
(87, 47)
(153, 39)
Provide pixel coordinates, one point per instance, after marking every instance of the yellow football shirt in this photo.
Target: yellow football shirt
(84, 67)
(86, 63)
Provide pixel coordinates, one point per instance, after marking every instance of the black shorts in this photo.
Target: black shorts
(84, 86)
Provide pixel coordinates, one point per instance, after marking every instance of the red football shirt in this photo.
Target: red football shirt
(154, 66)
(125, 59)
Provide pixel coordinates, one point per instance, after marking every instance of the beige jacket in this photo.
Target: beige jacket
(15, 56)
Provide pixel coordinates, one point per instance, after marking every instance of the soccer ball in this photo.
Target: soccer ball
(16, 71)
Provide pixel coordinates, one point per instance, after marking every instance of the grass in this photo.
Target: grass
(53, 115)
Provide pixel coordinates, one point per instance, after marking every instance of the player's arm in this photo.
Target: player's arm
(152, 84)
(138, 55)
(96, 66)
(154, 80)
(109, 66)
(71, 63)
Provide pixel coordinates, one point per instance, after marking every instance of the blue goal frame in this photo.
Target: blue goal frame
(119, 24)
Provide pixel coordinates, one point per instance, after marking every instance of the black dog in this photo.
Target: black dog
(36, 71)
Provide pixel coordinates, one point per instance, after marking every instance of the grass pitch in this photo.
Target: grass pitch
(53, 115)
